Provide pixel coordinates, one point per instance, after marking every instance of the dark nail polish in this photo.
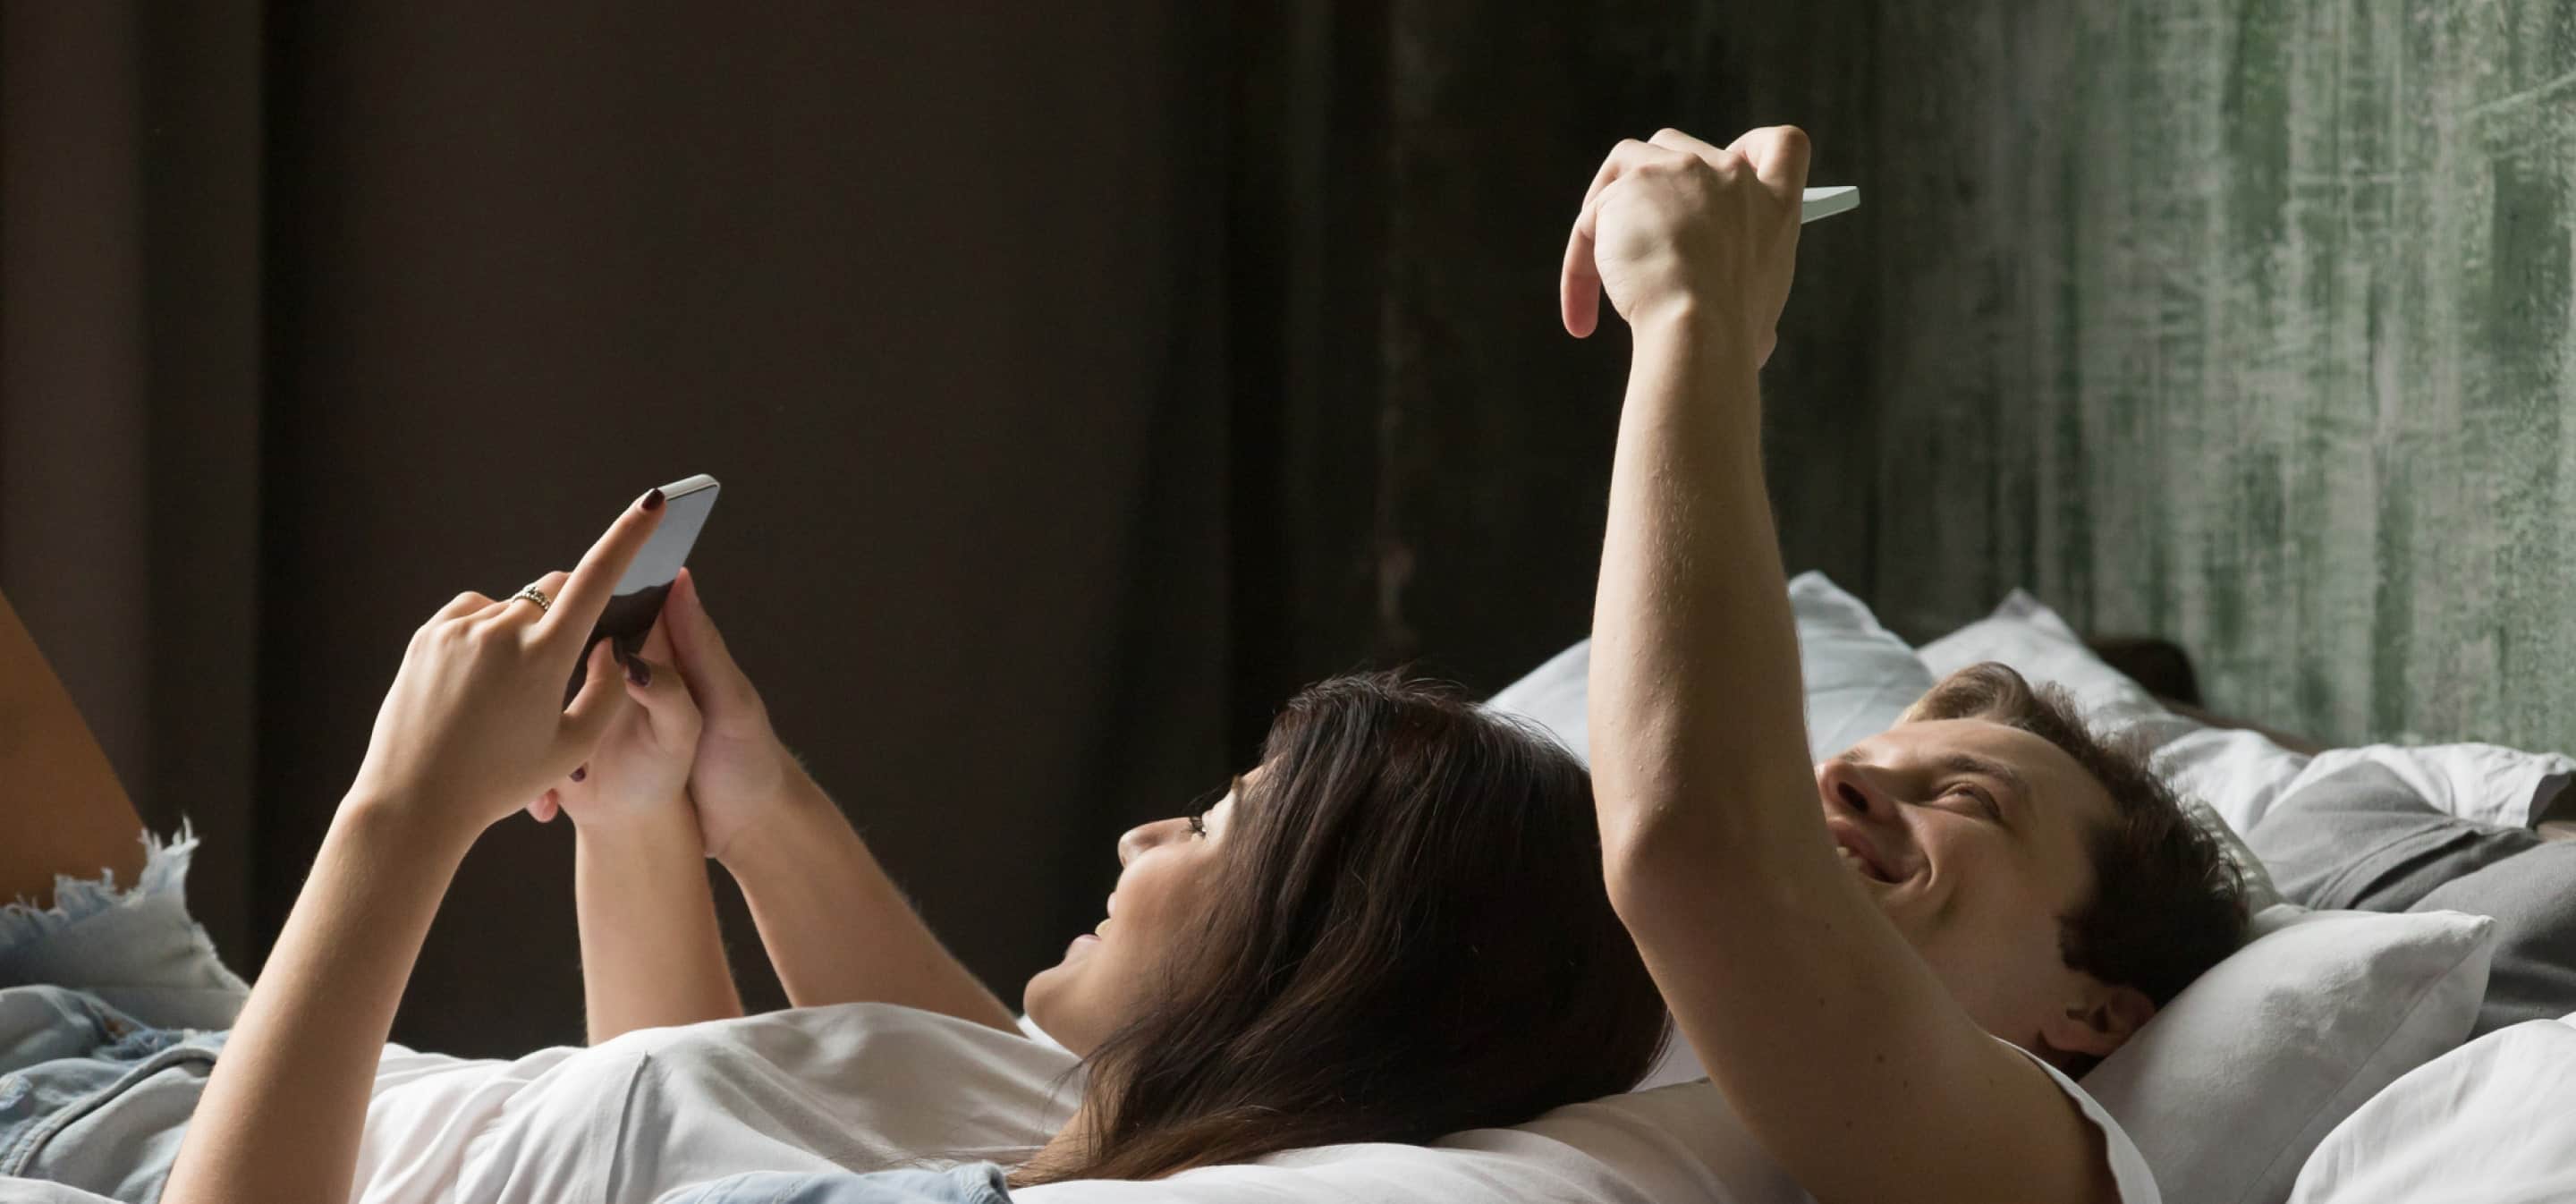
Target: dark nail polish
(579, 772)
(653, 500)
(639, 672)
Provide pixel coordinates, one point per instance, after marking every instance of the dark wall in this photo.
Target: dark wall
(130, 397)
(933, 293)
(1082, 385)
(2247, 325)
(1496, 427)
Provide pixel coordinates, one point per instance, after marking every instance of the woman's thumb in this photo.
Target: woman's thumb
(602, 696)
(665, 699)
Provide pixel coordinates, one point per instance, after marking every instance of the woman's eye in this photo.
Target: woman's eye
(1198, 825)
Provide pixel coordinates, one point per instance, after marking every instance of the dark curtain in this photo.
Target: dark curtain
(935, 293)
(1083, 381)
(131, 380)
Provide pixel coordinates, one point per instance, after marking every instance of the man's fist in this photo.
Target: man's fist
(1673, 222)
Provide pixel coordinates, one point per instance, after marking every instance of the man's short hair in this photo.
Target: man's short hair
(2167, 904)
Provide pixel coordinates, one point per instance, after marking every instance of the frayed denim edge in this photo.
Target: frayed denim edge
(165, 871)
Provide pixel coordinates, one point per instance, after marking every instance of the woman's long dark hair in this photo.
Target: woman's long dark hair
(1411, 938)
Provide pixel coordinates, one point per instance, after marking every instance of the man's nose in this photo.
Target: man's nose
(1852, 786)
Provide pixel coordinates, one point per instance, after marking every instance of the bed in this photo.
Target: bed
(2329, 1061)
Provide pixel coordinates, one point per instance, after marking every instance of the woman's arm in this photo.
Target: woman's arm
(1833, 1040)
(473, 726)
(651, 955)
(280, 1118)
(836, 928)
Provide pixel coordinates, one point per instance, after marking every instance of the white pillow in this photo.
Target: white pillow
(2473, 1126)
(2231, 1087)
(1859, 677)
(2032, 639)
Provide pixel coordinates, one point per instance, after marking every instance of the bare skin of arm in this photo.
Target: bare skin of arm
(67, 812)
(473, 727)
(836, 927)
(1843, 1053)
(651, 953)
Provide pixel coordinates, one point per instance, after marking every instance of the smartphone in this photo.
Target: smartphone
(637, 600)
(1826, 202)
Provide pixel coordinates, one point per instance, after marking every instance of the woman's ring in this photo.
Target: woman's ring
(533, 594)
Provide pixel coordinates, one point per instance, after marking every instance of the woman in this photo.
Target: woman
(1361, 942)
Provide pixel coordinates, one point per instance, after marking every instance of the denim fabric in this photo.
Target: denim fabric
(973, 1183)
(65, 1056)
(112, 1004)
(136, 948)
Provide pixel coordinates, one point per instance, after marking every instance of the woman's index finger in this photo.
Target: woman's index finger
(594, 580)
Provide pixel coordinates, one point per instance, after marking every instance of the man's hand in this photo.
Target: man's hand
(1675, 222)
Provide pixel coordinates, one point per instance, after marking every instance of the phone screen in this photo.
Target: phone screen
(637, 600)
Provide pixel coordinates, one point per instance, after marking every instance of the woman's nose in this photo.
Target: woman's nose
(1145, 836)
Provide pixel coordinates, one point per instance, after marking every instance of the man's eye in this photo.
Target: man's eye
(1983, 800)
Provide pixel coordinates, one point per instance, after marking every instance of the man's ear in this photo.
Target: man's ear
(2099, 1020)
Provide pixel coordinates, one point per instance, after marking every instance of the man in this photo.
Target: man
(1879, 960)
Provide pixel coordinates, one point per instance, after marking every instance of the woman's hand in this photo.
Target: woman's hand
(641, 766)
(742, 772)
(1675, 222)
(475, 725)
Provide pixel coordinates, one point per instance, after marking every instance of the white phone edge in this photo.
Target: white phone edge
(1826, 202)
(688, 484)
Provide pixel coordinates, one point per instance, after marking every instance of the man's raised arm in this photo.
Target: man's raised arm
(1842, 1052)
